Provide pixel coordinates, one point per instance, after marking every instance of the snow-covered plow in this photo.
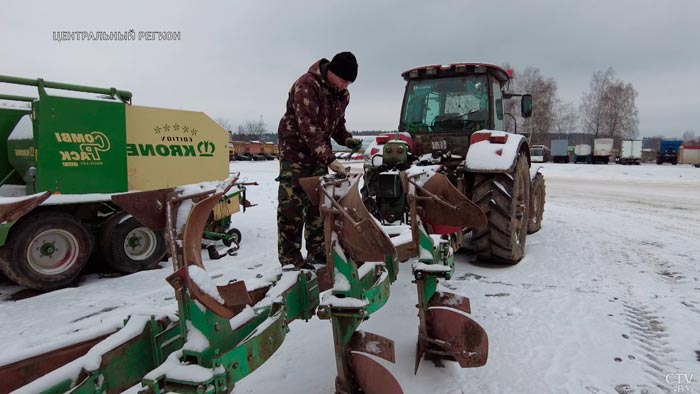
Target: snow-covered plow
(221, 334)
(363, 257)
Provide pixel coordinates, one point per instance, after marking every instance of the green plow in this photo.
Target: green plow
(224, 333)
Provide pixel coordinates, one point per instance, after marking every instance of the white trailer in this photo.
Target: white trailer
(582, 153)
(689, 155)
(602, 149)
(631, 152)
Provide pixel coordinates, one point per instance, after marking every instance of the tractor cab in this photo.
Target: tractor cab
(444, 105)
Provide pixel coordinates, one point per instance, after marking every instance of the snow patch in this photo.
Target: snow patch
(345, 302)
(23, 130)
(202, 279)
(484, 155)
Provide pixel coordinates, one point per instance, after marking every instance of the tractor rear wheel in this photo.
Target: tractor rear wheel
(128, 246)
(46, 250)
(505, 199)
(537, 194)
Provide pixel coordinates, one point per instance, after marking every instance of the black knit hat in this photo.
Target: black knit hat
(344, 65)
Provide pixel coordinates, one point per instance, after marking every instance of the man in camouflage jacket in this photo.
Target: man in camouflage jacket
(315, 113)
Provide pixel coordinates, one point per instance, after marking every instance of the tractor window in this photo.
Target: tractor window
(446, 104)
(498, 105)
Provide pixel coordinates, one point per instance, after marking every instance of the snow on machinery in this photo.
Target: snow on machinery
(224, 333)
(78, 152)
(453, 116)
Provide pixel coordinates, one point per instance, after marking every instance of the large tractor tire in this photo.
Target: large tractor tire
(505, 199)
(537, 198)
(46, 250)
(128, 246)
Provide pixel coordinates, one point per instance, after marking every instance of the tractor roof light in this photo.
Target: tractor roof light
(461, 68)
(430, 71)
(413, 74)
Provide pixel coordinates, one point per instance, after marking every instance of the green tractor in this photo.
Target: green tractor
(453, 116)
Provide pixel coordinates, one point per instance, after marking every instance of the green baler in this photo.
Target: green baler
(81, 151)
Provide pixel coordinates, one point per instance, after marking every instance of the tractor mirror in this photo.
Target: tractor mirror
(526, 105)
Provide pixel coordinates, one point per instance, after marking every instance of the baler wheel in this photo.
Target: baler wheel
(128, 246)
(46, 250)
(505, 199)
(236, 237)
(537, 198)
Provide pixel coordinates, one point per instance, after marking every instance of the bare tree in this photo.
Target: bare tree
(566, 117)
(544, 98)
(225, 123)
(689, 138)
(254, 128)
(608, 109)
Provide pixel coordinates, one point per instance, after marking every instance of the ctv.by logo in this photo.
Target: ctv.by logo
(680, 382)
(206, 148)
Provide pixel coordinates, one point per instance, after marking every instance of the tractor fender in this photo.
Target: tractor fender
(495, 151)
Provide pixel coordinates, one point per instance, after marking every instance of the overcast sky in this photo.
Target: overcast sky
(237, 60)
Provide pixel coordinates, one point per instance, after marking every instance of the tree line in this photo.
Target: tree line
(607, 109)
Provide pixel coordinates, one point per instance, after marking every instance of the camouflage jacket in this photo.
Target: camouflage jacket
(315, 113)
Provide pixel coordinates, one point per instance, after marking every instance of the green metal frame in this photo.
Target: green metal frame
(122, 95)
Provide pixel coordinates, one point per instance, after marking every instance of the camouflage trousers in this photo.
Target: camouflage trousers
(294, 211)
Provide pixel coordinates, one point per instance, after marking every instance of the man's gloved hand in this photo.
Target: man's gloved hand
(353, 143)
(338, 168)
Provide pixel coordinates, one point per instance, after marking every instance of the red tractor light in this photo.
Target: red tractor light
(499, 139)
(382, 139)
(478, 137)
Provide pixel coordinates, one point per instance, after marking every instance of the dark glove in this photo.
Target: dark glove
(353, 143)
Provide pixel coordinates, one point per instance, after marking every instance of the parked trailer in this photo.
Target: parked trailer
(631, 152)
(583, 154)
(689, 155)
(668, 152)
(560, 151)
(602, 149)
(539, 154)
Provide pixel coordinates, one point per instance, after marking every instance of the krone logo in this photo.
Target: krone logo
(206, 148)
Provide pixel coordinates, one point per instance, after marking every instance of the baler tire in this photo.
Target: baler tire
(113, 244)
(237, 236)
(36, 237)
(537, 200)
(504, 198)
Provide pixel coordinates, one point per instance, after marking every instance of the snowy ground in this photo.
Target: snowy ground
(607, 299)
